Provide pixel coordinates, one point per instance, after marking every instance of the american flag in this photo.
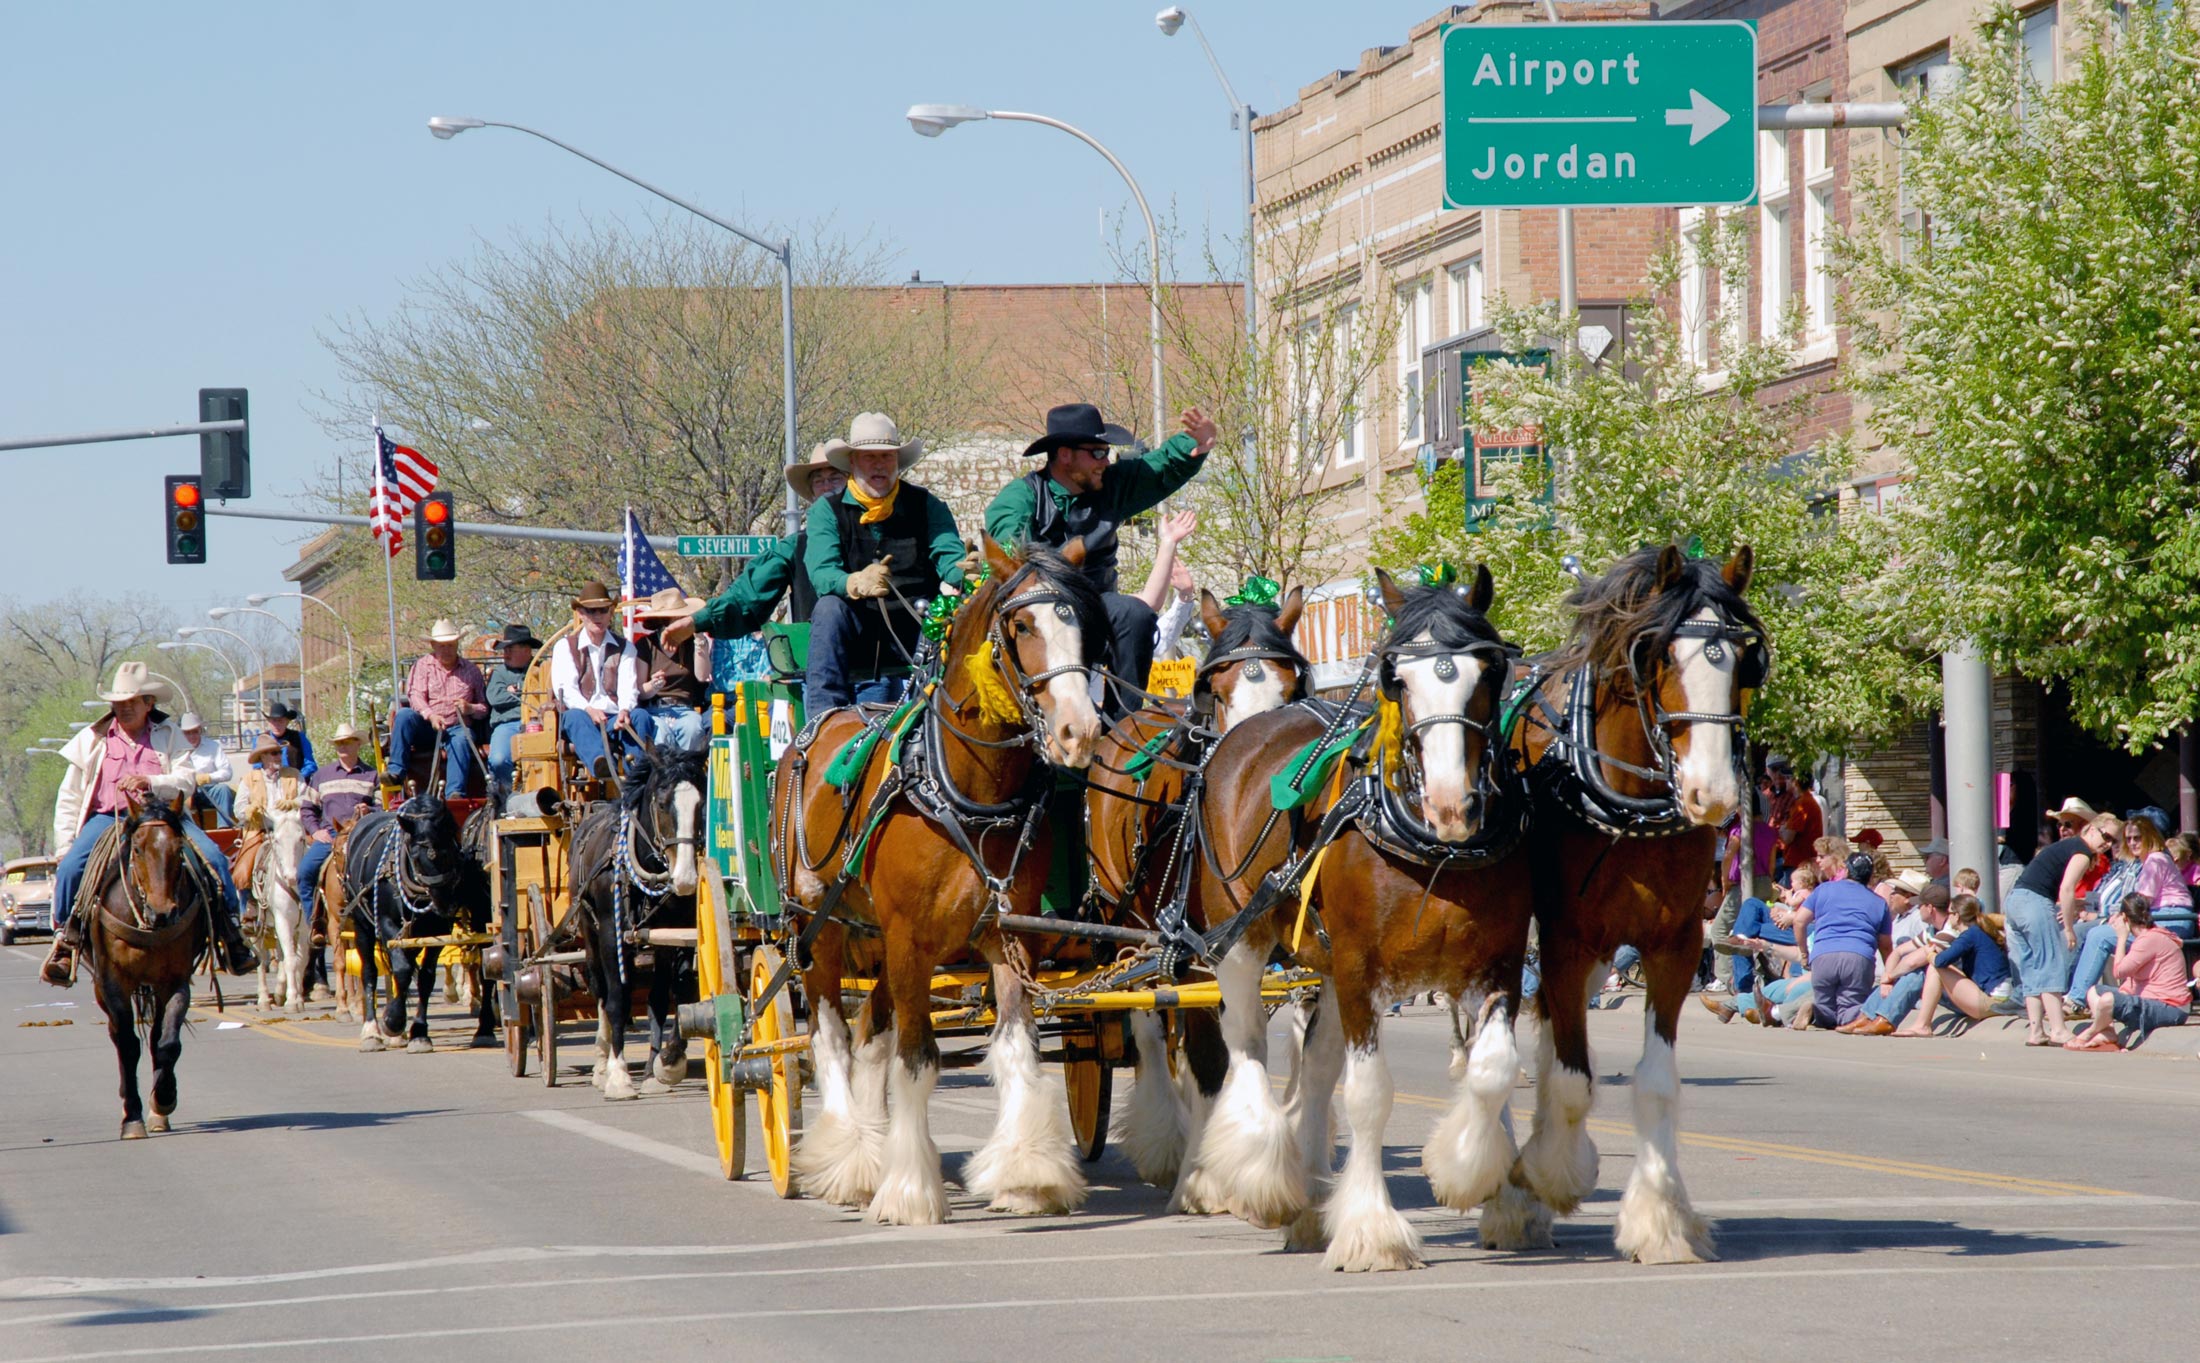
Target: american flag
(402, 476)
(641, 573)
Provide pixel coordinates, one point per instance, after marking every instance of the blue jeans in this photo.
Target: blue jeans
(70, 872)
(501, 763)
(1755, 920)
(411, 731)
(1896, 1004)
(579, 728)
(2095, 945)
(2036, 943)
(310, 862)
(848, 640)
(223, 799)
(679, 725)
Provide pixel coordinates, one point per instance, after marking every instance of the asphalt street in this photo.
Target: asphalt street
(1961, 1198)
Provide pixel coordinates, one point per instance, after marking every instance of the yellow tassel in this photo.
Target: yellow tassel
(995, 701)
(1390, 739)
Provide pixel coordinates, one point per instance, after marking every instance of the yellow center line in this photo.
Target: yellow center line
(1841, 1159)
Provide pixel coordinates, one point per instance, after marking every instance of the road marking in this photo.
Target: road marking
(32, 957)
(1699, 1277)
(678, 1156)
(631, 1279)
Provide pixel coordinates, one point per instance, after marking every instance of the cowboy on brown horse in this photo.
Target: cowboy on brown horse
(125, 755)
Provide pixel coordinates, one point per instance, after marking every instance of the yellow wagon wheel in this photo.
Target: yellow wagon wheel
(729, 1123)
(1090, 1076)
(779, 1103)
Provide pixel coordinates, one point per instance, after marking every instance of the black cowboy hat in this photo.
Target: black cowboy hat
(281, 711)
(1078, 423)
(518, 634)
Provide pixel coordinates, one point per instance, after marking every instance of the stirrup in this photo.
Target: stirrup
(64, 954)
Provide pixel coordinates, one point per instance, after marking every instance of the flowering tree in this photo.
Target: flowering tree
(2030, 341)
(1654, 451)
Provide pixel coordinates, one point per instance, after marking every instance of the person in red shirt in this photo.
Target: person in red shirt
(1803, 822)
(2151, 991)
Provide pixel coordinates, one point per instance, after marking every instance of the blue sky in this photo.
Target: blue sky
(192, 192)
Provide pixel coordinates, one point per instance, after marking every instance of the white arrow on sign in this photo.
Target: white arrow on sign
(1702, 118)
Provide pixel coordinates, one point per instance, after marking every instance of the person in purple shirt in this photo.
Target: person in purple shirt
(1843, 926)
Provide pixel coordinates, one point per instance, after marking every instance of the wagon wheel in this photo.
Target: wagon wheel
(779, 1103)
(546, 1029)
(1091, 1080)
(728, 1118)
(518, 946)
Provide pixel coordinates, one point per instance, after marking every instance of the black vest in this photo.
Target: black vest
(902, 538)
(801, 596)
(1055, 523)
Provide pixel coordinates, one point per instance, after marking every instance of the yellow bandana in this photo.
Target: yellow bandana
(875, 509)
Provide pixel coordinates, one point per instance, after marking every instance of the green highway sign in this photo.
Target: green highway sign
(726, 546)
(1600, 115)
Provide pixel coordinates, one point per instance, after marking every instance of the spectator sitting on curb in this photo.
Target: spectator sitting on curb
(1845, 927)
(2147, 870)
(1935, 854)
(2149, 966)
(1964, 974)
(1909, 967)
(1757, 931)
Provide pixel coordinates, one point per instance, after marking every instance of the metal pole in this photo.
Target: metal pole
(786, 364)
(253, 656)
(485, 529)
(40, 442)
(1153, 243)
(351, 654)
(189, 703)
(1967, 708)
(1789, 116)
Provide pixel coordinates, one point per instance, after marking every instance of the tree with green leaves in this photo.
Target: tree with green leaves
(2030, 343)
(1649, 448)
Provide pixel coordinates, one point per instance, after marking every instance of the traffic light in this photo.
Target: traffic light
(435, 539)
(225, 457)
(186, 510)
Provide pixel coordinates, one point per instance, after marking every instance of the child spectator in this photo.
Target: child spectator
(2152, 992)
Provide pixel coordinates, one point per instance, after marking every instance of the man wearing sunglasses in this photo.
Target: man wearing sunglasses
(1083, 492)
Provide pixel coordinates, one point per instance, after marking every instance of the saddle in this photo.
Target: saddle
(246, 862)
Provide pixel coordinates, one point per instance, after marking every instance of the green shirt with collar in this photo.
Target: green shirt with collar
(826, 559)
(1128, 487)
(748, 601)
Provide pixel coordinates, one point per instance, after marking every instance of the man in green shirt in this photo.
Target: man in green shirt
(876, 552)
(749, 600)
(1083, 493)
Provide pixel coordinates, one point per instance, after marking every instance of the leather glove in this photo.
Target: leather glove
(865, 583)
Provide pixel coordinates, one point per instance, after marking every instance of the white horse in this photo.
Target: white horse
(275, 891)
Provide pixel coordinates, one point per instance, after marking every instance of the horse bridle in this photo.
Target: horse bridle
(1497, 660)
(1203, 691)
(1750, 668)
(201, 878)
(1024, 686)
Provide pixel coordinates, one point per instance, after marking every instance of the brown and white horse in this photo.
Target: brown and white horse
(1404, 855)
(1134, 816)
(1634, 750)
(948, 837)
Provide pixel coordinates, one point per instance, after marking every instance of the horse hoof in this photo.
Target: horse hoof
(368, 1045)
(669, 1075)
(321, 993)
(611, 1095)
(158, 1122)
(134, 1131)
(485, 1041)
(654, 1087)
(419, 1045)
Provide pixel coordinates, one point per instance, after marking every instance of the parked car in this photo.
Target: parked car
(26, 898)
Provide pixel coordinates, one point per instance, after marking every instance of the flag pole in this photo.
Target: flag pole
(389, 574)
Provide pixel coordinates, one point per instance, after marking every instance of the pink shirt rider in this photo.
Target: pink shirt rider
(437, 693)
(2153, 967)
(124, 756)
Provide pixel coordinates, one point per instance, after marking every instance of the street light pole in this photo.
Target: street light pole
(1241, 118)
(447, 128)
(252, 654)
(351, 654)
(930, 120)
(298, 632)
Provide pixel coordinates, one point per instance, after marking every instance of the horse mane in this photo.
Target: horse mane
(1058, 574)
(1624, 611)
(1248, 625)
(666, 766)
(1444, 615)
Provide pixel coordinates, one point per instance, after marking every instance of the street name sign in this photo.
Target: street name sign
(726, 546)
(1600, 115)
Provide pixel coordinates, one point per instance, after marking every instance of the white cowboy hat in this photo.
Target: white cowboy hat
(189, 722)
(1913, 881)
(872, 431)
(669, 604)
(445, 632)
(801, 477)
(131, 681)
(268, 743)
(345, 733)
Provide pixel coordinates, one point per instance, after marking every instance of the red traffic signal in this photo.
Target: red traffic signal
(183, 493)
(435, 510)
(186, 530)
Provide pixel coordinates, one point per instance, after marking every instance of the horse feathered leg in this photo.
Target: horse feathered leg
(1202, 1062)
(1366, 1232)
(1559, 1163)
(1247, 1147)
(911, 1191)
(1028, 1165)
(1471, 1153)
(1150, 1132)
(1656, 1223)
(838, 1158)
(1321, 1061)
(417, 1041)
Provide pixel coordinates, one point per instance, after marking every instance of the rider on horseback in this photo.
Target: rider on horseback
(269, 787)
(880, 538)
(744, 606)
(1082, 493)
(120, 758)
(341, 788)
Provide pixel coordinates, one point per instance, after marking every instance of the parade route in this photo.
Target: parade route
(316, 1202)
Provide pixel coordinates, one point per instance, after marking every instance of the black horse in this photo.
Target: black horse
(635, 868)
(405, 876)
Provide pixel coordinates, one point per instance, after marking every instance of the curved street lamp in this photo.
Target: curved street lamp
(297, 631)
(351, 654)
(252, 653)
(1241, 118)
(445, 128)
(930, 120)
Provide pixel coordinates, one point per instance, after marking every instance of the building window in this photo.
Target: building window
(1350, 412)
(1928, 77)
(1413, 323)
(2036, 45)
(1695, 290)
(1465, 280)
(1306, 391)
(1772, 231)
(1817, 217)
